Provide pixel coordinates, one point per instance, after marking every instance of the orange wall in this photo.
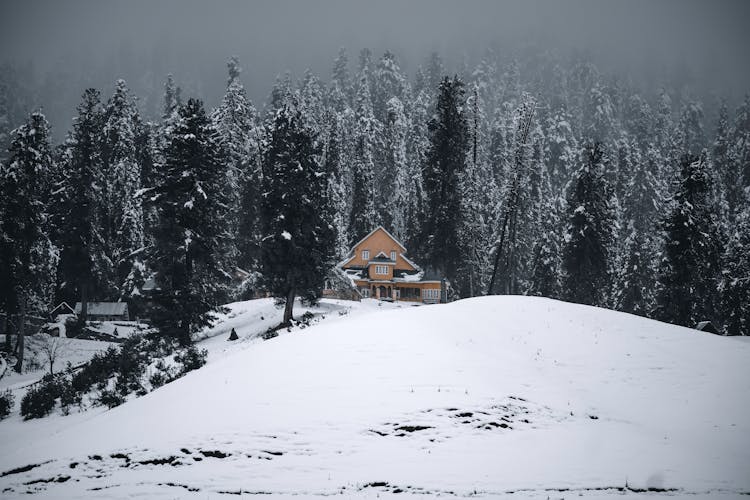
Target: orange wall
(376, 276)
(377, 242)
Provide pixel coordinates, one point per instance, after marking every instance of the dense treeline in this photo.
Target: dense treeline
(520, 176)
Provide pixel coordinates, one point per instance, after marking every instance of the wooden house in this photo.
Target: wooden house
(378, 268)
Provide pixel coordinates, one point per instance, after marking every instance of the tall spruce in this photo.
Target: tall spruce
(298, 234)
(189, 256)
(28, 256)
(689, 270)
(236, 121)
(445, 165)
(589, 235)
(363, 217)
(735, 282)
(82, 257)
(122, 211)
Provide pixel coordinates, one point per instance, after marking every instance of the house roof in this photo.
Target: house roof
(104, 308)
(373, 232)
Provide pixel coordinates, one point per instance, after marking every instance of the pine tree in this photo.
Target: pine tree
(689, 269)
(191, 239)
(445, 164)
(82, 257)
(735, 283)
(28, 256)
(477, 192)
(336, 188)
(122, 221)
(395, 183)
(363, 217)
(340, 92)
(417, 144)
(236, 121)
(298, 235)
(388, 83)
(586, 254)
(690, 136)
(740, 142)
(514, 210)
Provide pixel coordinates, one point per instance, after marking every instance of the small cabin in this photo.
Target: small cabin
(106, 311)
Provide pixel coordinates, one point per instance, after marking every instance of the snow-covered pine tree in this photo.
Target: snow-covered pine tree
(689, 134)
(336, 191)
(735, 283)
(236, 121)
(363, 217)
(740, 142)
(122, 217)
(435, 71)
(396, 180)
(562, 144)
(445, 165)
(477, 193)
(689, 269)
(417, 144)
(587, 250)
(298, 235)
(388, 82)
(191, 239)
(28, 256)
(544, 275)
(79, 195)
(514, 210)
(642, 202)
(340, 91)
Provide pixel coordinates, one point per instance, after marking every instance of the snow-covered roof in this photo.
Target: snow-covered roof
(104, 308)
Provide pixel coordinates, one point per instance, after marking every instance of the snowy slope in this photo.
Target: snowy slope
(487, 397)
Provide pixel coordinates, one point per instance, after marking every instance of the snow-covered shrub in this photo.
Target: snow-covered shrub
(6, 403)
(98, 370)
(110, 398)
(191, 359)
(41, 399)
(162, 374)
(132, 364)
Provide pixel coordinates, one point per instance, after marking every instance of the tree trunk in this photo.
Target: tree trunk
(84, 305)
(5, 328)
(21, 331)
(289, 307)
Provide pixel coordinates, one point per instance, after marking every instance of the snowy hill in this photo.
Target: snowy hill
(491, 397)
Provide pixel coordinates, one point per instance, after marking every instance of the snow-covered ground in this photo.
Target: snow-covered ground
(497, 397)
(73, 351)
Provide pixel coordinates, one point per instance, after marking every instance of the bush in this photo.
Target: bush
(98, 370)
(6, 403)
(131, 365)
(110, 398)
(163, 374)
(191, 359)
(41, 399)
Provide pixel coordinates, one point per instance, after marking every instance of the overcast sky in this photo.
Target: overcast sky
(100, 40)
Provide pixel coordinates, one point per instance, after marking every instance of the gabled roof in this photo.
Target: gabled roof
(373, 232)
(104, 308)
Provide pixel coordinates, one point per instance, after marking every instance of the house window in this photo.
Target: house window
(365, 292)
(365, 255)
(398, 293)
(381, 270)
(430, 294)
(393, 255)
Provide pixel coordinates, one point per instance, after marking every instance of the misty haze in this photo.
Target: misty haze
(384, 249)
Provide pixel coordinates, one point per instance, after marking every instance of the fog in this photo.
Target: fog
(67, 46)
